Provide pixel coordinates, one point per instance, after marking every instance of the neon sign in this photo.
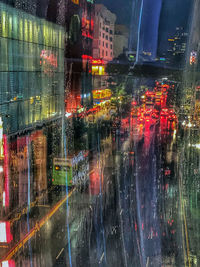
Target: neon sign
(97, 62)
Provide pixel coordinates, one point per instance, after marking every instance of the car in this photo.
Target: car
(172, 117)
(164, 112)
(140, 120)
(155, 116)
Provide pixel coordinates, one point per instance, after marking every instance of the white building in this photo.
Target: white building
(104, 26)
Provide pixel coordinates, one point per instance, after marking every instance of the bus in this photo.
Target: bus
(75, 168)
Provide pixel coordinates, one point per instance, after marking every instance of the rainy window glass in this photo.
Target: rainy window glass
(99, 133)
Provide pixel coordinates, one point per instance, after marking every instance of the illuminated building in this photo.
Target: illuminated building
(31, 69)
(21, 179)
(190, 100)
(79, 26)
(51, 10)
(177, 47)
(104, 27)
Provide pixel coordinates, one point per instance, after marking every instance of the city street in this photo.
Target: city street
(137, 204)
(99, 133)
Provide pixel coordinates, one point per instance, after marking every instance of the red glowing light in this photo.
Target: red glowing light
(135, 226)
(9, 263)
(47, 56)
(86, 57)
(6, 236)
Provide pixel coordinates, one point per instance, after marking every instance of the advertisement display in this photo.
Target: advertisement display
(102, 94)
(71, 171)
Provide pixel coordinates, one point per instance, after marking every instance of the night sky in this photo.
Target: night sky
(122, 8)
(174, 13)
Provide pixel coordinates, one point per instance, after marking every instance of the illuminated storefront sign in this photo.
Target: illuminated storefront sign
(5, 236)
(102, 94)
(98, 67)
(97, 62)
(98, 70)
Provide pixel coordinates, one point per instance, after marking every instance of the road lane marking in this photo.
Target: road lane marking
(147, 264)
(32, 204)
(35, 229)
(58, 256)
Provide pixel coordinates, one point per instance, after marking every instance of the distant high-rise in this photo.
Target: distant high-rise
(177, 47)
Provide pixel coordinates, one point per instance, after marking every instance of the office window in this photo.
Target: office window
(106, 53)
(106, 37)
(111, 46)
(106, 45)
(111, 39)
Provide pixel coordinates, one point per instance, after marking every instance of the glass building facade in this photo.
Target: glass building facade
(31, 69)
